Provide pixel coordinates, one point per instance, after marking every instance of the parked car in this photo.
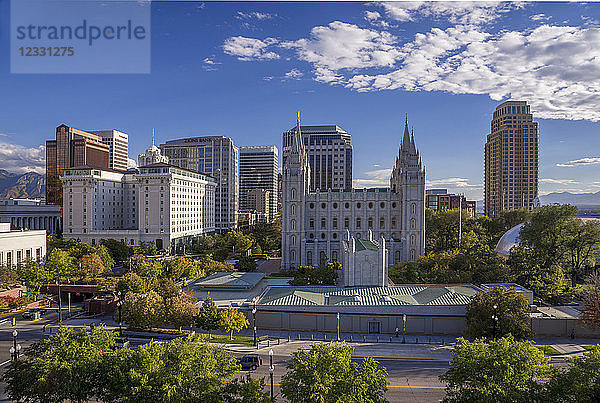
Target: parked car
(122, 342)
(30, 314)
(250, 361)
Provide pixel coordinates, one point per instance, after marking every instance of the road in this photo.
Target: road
(409, 380)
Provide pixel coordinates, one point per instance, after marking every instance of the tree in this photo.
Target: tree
(60, 262)
(104, 254)
(502, 370)
(33, 274)
(119, 251)
(246, 263)
(179, 267)
(145, 267)
(591, 303)
(324, 274)
(512, 310)
(131, 282)
(442, 230)
(577, 382)
(268, 235)
(65, 366)
(91, 266)
(232, 319)
(143, 311)
(583, 245)
(246, 390)
(209, 317)
(325, 373)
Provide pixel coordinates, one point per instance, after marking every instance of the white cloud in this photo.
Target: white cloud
(342, 46)
(554, 181)
(580, 162)
(249, 48)
(378, 177)
(458, 183)
(254, 15)
(539, 17)
(294, 74)
(19, 159)
(210, 64)
(459, 12)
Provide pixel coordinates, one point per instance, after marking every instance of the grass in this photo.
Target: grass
(588, 348)
(549, 350)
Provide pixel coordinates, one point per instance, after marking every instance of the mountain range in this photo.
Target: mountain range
(27, 185)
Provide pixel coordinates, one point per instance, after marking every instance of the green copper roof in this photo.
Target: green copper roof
(230, 280)
(365, 244)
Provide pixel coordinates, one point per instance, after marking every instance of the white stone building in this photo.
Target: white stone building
(30, 214)
(315, 224)
(152, 155)
(157, 203)
(19, 246)
(365, 262)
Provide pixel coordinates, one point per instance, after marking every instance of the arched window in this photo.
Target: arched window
(323, 256)
(334, 223)
(293, 193)
(293, 209)
(323, 224)
(413, 223)
(412, 239)
(293, 240)
(393, 222)
(382, 223)
(311, 223)
(370, 222)
(358, 223)
(334, 256)
(293, 224)
(309, 258)
(413, 208)
(346, 222)
(397, 256)
(412, 254)
(293, 256)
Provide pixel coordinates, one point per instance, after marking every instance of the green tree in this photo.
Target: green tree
(143, 311)
(209, 317)
(33, 274)
(231, 319)
(131, 282)
(442, 230)
(591, 303)
(246, 263)
(65, 366)
(325, 373)
(324, 274)
(511, 309)
(502, 370)
(245, 390)
(179, 267)
(105, 255)
(119, 251)
(61, 262)
(577, 382)
(583, 245)
(268, 235)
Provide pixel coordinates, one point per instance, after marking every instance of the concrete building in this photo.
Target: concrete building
(158, 203)
(119, 147)
(218, 157)
(19, 246)
(72, 148)
(314, 224)
(30, 214)
(329, 154)
(152, 155)
(440, 199)
(259, 200)
(259, 167)
(511, 159)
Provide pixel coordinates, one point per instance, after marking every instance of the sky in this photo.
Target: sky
(242, 70)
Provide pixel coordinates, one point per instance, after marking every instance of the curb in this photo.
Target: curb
(392, 357)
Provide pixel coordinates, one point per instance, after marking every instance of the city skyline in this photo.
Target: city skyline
(255, 64)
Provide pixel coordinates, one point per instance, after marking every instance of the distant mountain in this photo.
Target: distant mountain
(27, 185)
(576, 199)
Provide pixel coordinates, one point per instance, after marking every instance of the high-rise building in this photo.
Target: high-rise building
(119, 147)
(440, 199)
(218, 157)
(71, 148)
(258, 170)
(329, 153)
(258, 201)
(158, 203)
(511, 159)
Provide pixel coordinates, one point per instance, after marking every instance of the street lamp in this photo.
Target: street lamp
(119, 307)
(495, 319)
(338, 326)
(271, 369)
(404, 328)
(14, 350)
(254, 322)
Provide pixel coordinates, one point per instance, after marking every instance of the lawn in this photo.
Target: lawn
(590, 347)
(549, 350)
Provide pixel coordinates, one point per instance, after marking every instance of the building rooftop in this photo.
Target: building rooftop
(229, 280)
(365, 244)
(459, 294)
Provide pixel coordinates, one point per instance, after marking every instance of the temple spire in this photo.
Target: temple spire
(153, 136)
(406, 137)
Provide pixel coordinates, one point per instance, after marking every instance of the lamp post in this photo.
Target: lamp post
(271, 369)
(59, 299)
(119, 307)
(254, 322)
(495, 319)
(404, 328)
(338, 326)
(14, 350)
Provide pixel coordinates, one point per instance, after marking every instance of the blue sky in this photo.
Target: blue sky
(243, 69)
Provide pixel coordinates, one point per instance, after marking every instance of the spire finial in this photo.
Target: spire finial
(153, 136)
(298, 117)
(406, 120)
